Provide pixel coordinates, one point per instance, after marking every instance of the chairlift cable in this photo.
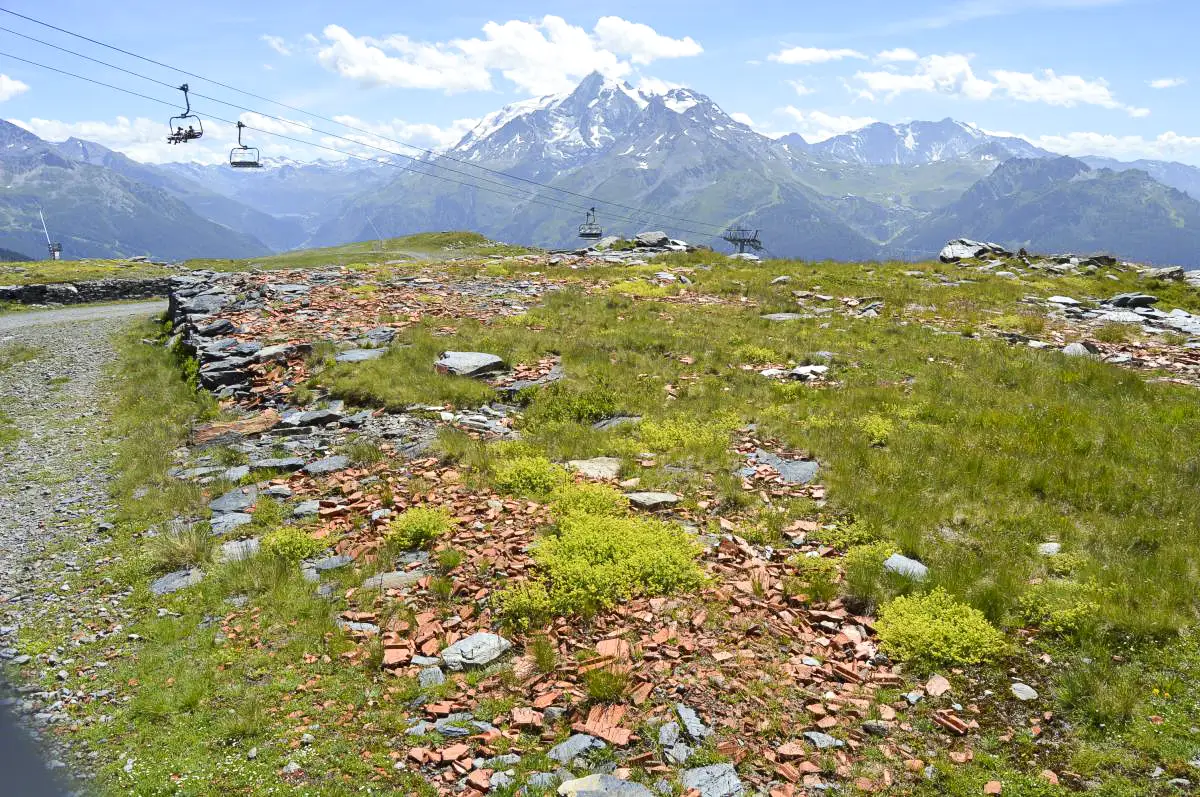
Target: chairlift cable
(532, 198)
(356, 129)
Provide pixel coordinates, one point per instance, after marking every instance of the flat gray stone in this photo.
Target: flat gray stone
(284, 464)
(469, 363)
(431, 676)
(613, 423)
(668, 734)
(1078, 350)
(602, 786)
(903, 566)
(223, 524)
(395, 579)
(678, 753)
(327, 465)
(717, 780)
(785, 316)
(1049, 548)
(329, 563)
(822, 741)
(237, 550)
(1023, 692)
(236, 473)
(597, 467)
(1066, 301)
(306, 508)
(652, 501)
(360, 355)
(691, 722)
(235, 500)
(478, 650)
(652, 238)
(793, 471)
(577, 745)
(173, 582)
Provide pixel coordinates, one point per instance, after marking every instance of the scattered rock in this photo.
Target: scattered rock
(717, 780)
(822, 741)
(477, 650)
(1049, 548)
(1023, 692)
(1080, 350)
(602, 786)
(327, 465)
(180, 579)
(235, 500)
(597, 467)
(903, 566)
(691, 722)
(469, 363)
(652, 501)
(237, 550)
(223, 524)
(575, 746)
(430, 677)
(784, 316)
(655, 238)
(394, 580)
(360, 355)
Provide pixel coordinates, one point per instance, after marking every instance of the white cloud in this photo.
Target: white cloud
(971, 10)
(11, 87)
(897, 54)
(1165, 146)
(277, 44)
(952, 74)
(817, 126)
(812, 55)
(426, 136)
(1167, 82)
(266, 124)
(641, 42)
(799, 87)
(653, 85)
(541, 57)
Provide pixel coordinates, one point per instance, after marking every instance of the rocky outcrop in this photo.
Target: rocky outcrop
(107, 290)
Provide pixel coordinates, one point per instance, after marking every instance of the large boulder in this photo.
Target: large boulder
(965, 249)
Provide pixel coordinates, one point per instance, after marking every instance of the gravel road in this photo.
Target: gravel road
(53, 494)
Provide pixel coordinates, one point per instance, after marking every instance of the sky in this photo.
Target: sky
(1119, 78)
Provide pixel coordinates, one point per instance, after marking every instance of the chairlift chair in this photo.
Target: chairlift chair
(179, 134)
(242, 156)
(590, 229)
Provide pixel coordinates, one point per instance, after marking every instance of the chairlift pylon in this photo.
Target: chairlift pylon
(590, 229)
(242, 156)
(195, 128)
(743, 239)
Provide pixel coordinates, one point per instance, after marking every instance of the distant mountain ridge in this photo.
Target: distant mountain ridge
(673, 160)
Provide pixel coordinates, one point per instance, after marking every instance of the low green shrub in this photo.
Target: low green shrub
(756, 355)
(529, 477)
(560, 402)
(604, 685)
(844, 537)
(1059, 606)
(877, 428)
(815, 576)
(291, 544)
(418, 527)
(684, 432)
(588, 499)
(594, 562)
(936, 629)
(866, 581)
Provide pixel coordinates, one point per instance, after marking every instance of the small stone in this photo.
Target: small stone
(1049, 548)
(477, 650)
(306, 508)
(1023, 692)
(469, 363)
(223, 524)
(575, 746)
(1079, 350)
(237, 550)
(652, 501)
(394, 580)
(903, 566)
(290, 768)
(822, 741)
(173, 582)
(696, 729)
(668, 734)
(717, 780)
(326, 465)
(360, 355)
(602, 786)
(430, 677)
(235, 500)
(597, 467)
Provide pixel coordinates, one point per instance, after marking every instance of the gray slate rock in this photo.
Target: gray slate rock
(469, 363)
(237, 550)
(1079, 350)
(800, 471)
(784, 316)
(822, 741)
(577, 745)
(360, 355)
(1049, 548)
(691, 722)
(394, 580)
(718, 780)
(478, 650)
(223, 524)
(173, 582)
(903, 566)
(284, 464)
(602, 786)
(668, 734)
(597, 467)
(652, 501)
(235, 500)
(654, 238)
(306, 508)
(618, 421)
(431, 676)
(326, 465)
(1023, 692)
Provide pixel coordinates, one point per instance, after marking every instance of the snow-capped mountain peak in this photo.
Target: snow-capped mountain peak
(915, 143)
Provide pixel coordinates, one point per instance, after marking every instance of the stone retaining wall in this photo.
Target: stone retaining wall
(106, 290)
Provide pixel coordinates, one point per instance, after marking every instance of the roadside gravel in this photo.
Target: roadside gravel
(53, 497)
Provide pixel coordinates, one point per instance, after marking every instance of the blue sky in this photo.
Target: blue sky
(1110, 77)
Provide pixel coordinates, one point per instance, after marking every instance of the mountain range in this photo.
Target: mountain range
(673, 161)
